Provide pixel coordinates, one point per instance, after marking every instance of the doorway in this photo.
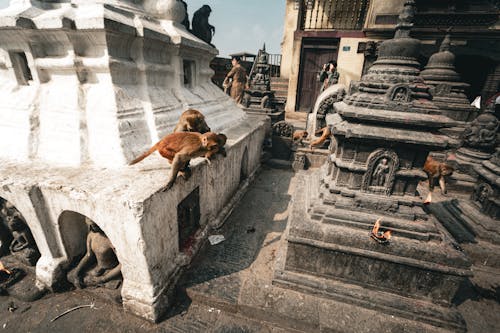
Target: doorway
(314, 53)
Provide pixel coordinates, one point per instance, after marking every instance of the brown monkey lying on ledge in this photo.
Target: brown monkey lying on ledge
(437, 170)
(179, 148)
(192, 120)
(299, 136)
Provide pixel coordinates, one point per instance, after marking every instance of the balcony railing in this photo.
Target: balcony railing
(333, 14)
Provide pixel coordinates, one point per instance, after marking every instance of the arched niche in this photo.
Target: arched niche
(16, 238)
(380, 172)
(73, 229)
(400, 93)
(92, 258)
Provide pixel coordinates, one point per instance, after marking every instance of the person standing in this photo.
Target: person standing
(329, 75)
(236, 80)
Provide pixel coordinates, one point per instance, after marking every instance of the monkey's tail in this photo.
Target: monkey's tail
(143, 156)
(325, 131)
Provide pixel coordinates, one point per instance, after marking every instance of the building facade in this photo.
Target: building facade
(317, 31)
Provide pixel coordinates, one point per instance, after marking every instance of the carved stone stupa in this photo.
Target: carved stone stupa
(260, 98)
(384, 130)
(446, 87)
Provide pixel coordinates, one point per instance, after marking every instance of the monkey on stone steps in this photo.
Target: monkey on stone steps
(179, 148)
(437, 170)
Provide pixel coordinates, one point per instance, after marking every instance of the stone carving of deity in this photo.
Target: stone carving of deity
(482, 131)
(379, 177)
(481, 193)
(400, 95)
(100, 254)
(380, 172)
(260, 76)
(23, 245)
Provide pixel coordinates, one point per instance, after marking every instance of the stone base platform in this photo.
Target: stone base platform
(239, 276)
(143, 223)
(313, 158)
(477, 235)
(275, 115)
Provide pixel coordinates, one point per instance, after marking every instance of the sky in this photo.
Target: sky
(240, 25)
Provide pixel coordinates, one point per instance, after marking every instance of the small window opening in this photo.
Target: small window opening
(188, 66)
(188, 219)
(21, 68)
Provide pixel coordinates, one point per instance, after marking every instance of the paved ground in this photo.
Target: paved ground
(222, 276)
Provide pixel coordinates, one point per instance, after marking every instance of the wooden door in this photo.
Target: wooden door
(314, 54)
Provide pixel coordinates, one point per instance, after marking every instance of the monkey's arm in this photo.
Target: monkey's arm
(442, 184)
(431, 182)
(179, 162)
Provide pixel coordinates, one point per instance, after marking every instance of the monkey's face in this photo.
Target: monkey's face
(202, 126)
(221, 139)
(446, 170)
(210, 142)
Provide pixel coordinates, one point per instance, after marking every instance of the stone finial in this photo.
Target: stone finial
(405, 19)
(171, 10)
(445, 44)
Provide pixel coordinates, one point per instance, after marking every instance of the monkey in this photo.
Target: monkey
(179, 148)
(221, 141)
(437, 170)
(325, 134)
(192, 120)
(300, 136)
(101, 251)
(201, 28)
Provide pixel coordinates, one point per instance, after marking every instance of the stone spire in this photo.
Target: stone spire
(405, 20)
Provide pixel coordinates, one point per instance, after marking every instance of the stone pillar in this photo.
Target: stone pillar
(292, 12)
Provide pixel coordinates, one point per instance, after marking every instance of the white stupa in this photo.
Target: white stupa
(86, 86)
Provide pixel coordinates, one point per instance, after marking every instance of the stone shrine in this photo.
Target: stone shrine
(87, 86)
(446, 87)
(383, 130)
(259, 98)
(480, 138)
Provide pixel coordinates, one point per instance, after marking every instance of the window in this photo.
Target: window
(188, 219)
(21, 68)
(188, 66)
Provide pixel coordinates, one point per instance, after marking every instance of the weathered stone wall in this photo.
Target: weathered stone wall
(127, 204)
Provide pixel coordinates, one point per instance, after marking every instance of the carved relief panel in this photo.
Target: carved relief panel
(381, 171)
